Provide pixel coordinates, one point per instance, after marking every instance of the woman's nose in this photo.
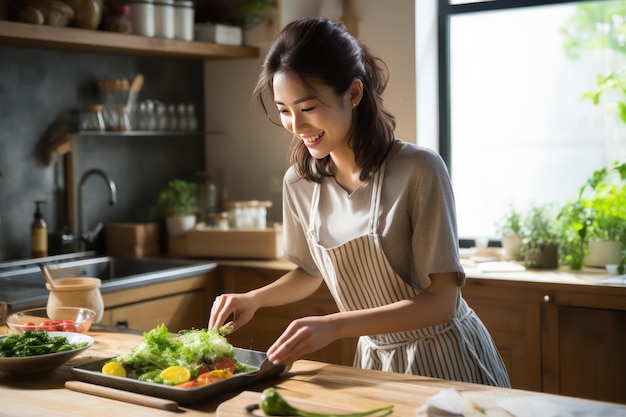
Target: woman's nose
(297, 122)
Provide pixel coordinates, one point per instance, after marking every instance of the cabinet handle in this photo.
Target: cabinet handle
(547, 299)
(122, 323)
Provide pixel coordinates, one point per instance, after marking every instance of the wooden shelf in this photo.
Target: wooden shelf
(25, 35)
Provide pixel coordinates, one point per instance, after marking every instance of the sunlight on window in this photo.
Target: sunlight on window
(521, 133)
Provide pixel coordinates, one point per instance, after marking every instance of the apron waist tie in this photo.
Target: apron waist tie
(418, 334)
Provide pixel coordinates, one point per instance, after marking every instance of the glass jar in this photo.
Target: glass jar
(92, 118)
(117, 19)
(208, 196)
(120, 122)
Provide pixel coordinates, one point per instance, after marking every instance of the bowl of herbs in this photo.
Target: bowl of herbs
(36, 353)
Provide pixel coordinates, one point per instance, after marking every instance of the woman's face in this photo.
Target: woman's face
(321, 119)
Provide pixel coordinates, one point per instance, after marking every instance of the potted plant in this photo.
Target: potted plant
(593, 227)
(540, 238)
(510, 227)
(178, 204)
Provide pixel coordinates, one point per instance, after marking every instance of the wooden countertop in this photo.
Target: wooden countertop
(310, 381)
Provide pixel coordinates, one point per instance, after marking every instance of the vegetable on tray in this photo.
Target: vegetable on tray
(189, 359)
(33, 343)
(273, 404)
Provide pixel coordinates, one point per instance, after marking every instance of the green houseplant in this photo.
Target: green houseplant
(178, 204)
(597, 215)
(509, 226)
(540, 237)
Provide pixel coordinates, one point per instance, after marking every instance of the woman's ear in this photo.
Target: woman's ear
(356, 92)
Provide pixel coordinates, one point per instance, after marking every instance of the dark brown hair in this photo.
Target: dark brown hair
(320, 49)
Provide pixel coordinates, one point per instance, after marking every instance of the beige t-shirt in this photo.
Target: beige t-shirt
(417, 217)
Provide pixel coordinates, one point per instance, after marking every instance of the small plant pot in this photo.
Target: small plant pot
(547, 257)
(511, 243)
(602, 252)
(177, 226)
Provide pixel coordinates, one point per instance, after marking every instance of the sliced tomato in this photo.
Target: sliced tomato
(188, 384)
(225, 363)
(214, 376)
(202, 368)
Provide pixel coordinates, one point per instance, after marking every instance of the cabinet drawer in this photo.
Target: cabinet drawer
(177, 312)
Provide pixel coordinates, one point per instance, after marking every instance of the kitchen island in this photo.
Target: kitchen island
(309, 381)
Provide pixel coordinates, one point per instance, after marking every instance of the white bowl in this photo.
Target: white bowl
(611, 268)
(43, 364)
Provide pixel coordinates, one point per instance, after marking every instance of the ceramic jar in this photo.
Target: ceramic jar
(77, 292)
(87, 13)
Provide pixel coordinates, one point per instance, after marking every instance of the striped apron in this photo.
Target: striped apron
(359, 276)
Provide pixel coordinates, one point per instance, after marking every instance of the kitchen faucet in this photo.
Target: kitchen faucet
(90, 236)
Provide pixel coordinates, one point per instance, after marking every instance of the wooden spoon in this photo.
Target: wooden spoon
(46, 274)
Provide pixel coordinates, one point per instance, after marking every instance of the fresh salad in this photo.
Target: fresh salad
(188, 359)
(33, 343)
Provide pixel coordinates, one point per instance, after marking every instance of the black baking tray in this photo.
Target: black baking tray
(91, 372)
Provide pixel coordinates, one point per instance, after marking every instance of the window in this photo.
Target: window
(514, 128)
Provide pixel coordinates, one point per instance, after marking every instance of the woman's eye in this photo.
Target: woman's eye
(307, 109)
(281, 111)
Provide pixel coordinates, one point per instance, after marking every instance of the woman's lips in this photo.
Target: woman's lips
(311, 141)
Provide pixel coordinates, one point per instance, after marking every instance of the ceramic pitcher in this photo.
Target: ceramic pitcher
(77, 292)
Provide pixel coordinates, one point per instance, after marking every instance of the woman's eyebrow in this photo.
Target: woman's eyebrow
(298, 101)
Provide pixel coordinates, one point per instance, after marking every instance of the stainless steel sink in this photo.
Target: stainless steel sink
(23, 285)
(103, 267)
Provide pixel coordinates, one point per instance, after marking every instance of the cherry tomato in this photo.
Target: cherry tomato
(30, 326)
(225, 363)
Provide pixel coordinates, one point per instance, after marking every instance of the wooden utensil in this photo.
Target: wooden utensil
(116, 394)
(46, 274)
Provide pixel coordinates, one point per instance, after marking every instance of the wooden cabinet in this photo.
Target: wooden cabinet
(554, 337)
(269, 323)
(180, 304)
(514, 320)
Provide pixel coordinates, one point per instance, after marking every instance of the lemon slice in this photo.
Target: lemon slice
(175, 375)
(113, 369)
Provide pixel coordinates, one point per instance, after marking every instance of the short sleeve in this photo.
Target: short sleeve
(296, 206)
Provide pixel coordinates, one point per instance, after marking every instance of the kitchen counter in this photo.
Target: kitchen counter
(310, 381)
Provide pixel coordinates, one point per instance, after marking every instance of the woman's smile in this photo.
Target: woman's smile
(311, 141)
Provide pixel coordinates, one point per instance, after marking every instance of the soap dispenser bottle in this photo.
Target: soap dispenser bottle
(38, 234)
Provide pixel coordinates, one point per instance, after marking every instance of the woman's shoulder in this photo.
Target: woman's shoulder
(414, 156)
(293, 181)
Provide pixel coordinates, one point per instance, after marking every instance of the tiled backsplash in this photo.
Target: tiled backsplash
(38, 86)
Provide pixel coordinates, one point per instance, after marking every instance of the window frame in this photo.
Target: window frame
(444, 11)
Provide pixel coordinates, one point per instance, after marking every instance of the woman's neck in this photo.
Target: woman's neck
(346, 172)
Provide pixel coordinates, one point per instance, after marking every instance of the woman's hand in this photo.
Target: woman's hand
(305, 335)
(241, 306)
